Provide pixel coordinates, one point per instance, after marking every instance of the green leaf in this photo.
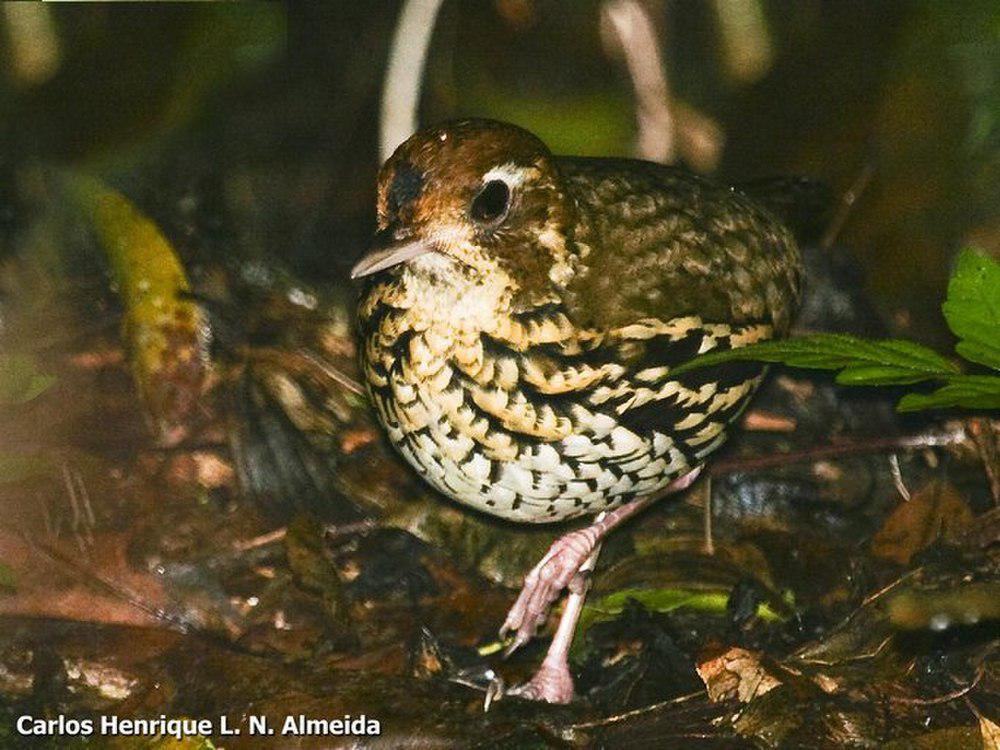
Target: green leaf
(20, 380)
(965, 391)
(876, 375)
(887, 362)
(972, 308)
(664, 600)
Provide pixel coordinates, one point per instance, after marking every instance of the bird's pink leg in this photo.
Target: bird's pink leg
(552, 682)
(565, 565)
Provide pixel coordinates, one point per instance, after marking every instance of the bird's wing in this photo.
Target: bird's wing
(671, 266)
(659, 243)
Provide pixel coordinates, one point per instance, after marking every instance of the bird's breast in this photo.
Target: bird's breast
(528, 418)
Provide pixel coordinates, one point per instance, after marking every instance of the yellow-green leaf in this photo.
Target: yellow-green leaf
(165, 330)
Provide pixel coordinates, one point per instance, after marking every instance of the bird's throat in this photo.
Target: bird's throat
(440, 292)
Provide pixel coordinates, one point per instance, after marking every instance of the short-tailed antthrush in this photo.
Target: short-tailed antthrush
(520, 318)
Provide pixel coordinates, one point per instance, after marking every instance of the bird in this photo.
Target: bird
(519, 316)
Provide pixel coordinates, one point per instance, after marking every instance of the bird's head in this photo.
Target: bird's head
(479, 195)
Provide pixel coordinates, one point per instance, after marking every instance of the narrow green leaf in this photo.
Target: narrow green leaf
(917, 354)
(664, 600)
(887, 362)
(965, 391)
(972, 308)
(878, 375)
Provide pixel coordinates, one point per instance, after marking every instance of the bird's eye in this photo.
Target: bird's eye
(491, 203)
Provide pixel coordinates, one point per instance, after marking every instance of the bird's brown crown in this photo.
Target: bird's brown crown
(483, 193)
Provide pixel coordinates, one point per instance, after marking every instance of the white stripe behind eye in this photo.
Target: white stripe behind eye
(510, 173)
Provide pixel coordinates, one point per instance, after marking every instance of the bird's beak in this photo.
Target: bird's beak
(390, 248)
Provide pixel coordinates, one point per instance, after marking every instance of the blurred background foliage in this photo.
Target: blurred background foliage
(251, 129)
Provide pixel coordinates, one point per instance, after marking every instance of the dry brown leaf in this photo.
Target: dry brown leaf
(936, 510)
(737, 673)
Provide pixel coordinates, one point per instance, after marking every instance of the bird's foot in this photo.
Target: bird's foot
(555, 572)
(552, 683)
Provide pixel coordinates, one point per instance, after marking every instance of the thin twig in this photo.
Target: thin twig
(889, 586)
(929, 439)
(853, 658)
(847, 202)
(88, 575)
(617, 718)
(407, 55)
(304, 362)
(947, 697)
(987, 442)
(262, 540)
(75, 507)
(897, 477)
(709, 545)
(331, 531)
(637, 39)
(89, 519)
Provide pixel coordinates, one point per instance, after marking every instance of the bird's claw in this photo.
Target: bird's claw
(552, 683)
(495, 690)
(543, 585)
(515, 643)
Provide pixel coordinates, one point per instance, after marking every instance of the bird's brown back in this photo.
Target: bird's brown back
(660, 242)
